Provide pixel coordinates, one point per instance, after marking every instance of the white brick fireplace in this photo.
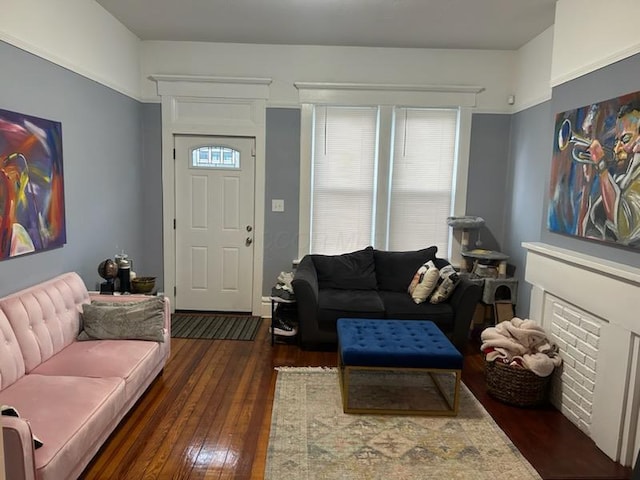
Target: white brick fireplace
(591, 308)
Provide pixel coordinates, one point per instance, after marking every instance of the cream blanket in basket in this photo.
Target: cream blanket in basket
(523, 342)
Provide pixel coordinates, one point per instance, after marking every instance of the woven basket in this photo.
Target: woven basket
(515, 385)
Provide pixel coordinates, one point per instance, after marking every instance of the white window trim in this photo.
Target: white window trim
(461, 97)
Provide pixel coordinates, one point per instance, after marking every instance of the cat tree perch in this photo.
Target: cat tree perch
(487, 267)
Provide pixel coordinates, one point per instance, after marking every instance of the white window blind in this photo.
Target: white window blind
(424, 152)
(343, 178)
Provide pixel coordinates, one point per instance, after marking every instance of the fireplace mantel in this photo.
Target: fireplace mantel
(590, 306)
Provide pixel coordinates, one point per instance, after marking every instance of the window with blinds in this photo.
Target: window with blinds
(424, 152)
(343, 178)
(412, 188)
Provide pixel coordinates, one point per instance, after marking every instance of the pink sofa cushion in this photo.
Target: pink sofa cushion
(46, 317)
(85, 408)
(11, 362)
(131, 360)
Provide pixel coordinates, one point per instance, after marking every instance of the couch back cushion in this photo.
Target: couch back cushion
(349, 271)
(11, 361)
(46, 317)
(394, 270)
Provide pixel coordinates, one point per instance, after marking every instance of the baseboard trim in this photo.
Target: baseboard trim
(265, 311)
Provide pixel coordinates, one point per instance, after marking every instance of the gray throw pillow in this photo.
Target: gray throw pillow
(142, 320)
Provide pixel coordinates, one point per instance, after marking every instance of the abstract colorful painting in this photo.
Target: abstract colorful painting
(595, 172)
(31, 185)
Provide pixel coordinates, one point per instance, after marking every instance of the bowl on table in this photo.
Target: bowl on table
(143, 284)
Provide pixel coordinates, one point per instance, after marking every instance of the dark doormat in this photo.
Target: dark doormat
(214, 326)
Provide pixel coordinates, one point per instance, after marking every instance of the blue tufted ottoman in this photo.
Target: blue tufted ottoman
(398, 346)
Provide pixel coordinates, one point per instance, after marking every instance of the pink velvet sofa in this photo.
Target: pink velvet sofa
(70, 394)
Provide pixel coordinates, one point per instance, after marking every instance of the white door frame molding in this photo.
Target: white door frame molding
(203, 105)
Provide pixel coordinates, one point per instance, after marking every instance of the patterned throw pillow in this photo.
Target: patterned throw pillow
(447, 283)
(426, 279)
(416, 278)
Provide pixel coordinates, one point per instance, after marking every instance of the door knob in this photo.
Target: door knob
(248, 241)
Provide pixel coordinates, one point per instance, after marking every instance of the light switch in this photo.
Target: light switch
(277, 205)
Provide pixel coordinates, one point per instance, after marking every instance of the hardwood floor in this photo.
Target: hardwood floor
(208, 416)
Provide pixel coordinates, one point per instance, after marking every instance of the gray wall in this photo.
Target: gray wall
(282, 182)
(151, 261)
(532, 138)
(101, 131)
(113, 187)
(487, 185)
(485, 197)
(608, 82)
(530, 152)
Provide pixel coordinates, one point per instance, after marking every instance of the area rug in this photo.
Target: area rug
(311, 438)
(214, 327)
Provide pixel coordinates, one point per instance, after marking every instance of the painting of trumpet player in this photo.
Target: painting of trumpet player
(595, 173)
(32, 216)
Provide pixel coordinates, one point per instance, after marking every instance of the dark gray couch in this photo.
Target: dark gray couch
(373, 284)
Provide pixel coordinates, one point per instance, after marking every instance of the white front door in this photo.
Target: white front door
(214, 222)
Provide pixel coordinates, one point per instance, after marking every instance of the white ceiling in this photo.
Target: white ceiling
(466, 24)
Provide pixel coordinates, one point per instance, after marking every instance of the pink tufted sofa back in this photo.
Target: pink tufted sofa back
(45, 319)
(11, 361)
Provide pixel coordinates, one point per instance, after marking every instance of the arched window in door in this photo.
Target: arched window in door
(215, 156)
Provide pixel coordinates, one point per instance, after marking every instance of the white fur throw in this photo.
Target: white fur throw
(523, 342)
